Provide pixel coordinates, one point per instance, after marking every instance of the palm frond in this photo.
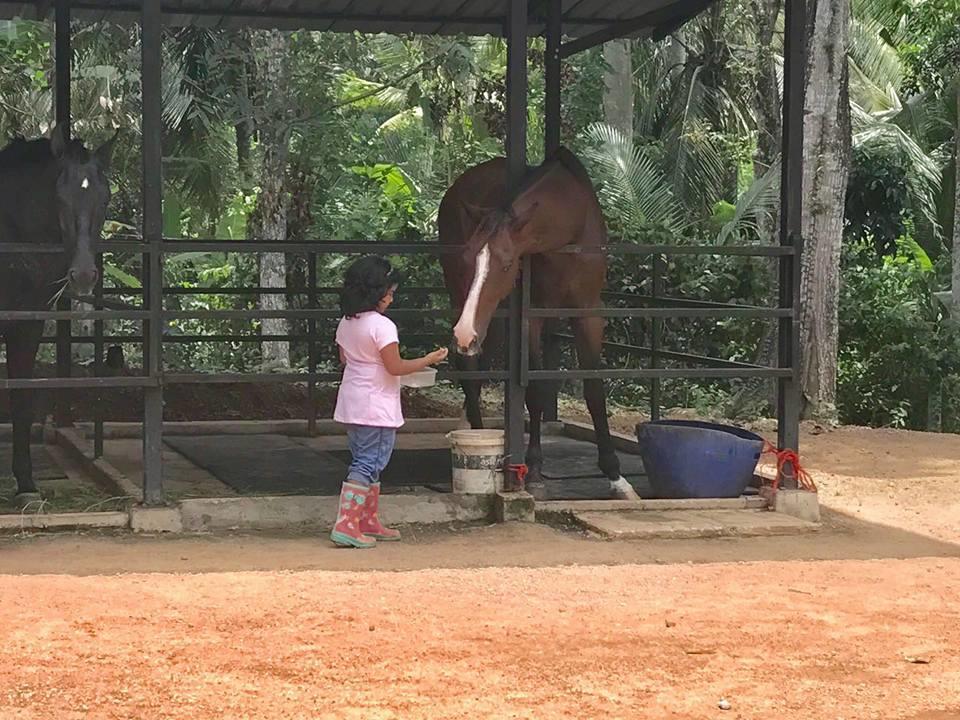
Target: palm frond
(375, 96)
(873, 55)
(632, 185)
(760, 201)
(924, 175)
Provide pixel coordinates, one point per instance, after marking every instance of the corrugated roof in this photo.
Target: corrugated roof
(430, 17)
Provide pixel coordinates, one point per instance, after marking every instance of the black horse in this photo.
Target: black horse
(51, 192)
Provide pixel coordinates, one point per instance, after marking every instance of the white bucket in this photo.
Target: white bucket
(477, 458)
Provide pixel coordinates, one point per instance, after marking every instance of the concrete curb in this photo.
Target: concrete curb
(320, 512)
(64, 521)
(741, 503)
(293, 428)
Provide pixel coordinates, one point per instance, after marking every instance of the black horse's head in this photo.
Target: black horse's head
(82, 196)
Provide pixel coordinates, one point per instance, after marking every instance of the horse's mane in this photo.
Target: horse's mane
(563, 157)
(21, 152)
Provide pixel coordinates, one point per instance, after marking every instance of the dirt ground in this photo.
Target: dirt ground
(860, 620)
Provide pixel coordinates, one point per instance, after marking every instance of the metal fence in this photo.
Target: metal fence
(154, 316)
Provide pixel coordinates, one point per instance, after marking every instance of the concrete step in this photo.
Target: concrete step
(651, 524)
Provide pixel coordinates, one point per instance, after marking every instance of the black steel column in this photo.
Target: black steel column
(517, 164)
(150, 39)
(312, 346)
(98, 362)
(551, 109)
(63, 53)
(791, 200)
(656, 333)
(552, 77)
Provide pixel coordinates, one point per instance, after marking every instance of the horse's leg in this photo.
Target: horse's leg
(471, 391)
(537, 392)
(22, 344)
(589, 336)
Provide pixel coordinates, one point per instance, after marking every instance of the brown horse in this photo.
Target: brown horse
(554, 206)
(52, 192)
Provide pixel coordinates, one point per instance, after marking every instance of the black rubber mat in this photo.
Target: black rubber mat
(568, 459)
(594, 488)
(263, 464)
(408, 468)
(278, 465)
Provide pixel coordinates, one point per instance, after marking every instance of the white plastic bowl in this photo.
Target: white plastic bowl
(421, 378)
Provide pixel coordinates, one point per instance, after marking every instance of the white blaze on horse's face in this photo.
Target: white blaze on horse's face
(465, 331)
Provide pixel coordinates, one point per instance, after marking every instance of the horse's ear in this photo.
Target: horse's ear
(104, 153)
(520, 220)
(58, 142)
(472, 213)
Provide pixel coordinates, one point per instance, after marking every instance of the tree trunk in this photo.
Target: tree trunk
(826, 159)
(955, 280)
(618, 87)
(269, 219)
(758, 395)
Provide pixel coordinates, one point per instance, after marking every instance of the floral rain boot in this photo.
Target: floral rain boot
(370, 524)
(346, 532)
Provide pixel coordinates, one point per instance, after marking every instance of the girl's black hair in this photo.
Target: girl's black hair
(365, 283)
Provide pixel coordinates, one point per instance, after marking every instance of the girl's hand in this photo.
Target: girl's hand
(437, 356)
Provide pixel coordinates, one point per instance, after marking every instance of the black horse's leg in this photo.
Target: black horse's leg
(471, 390)
(551, 361)
(22, 344)
(535, 399)
(589, 336)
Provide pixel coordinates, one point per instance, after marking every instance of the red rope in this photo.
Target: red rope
(785, 458)
(520, 471)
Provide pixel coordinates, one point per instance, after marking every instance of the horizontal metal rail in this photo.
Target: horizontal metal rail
(668, 354)
(294, 377)
(345, 247)
(75, 383)
(168, 378)
(26, 315)
(174, 290)
(679, 312)
(661, 373)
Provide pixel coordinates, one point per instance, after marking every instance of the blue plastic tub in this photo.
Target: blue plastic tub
(693, 459)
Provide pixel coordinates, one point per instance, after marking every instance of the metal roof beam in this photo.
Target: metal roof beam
(662, 22)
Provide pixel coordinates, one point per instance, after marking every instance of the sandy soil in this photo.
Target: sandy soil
(777, 640)
(860, 620)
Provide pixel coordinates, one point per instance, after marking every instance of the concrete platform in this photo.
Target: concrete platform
(648, 524)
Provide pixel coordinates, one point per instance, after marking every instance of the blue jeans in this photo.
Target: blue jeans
(371, 448)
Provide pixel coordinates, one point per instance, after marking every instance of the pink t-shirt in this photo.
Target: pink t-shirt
(368, 394)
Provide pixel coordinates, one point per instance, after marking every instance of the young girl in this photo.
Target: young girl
(368, 401)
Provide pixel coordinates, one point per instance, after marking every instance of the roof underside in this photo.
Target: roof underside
(637, 18)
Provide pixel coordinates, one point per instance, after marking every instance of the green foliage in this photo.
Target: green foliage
(382, 125)
(895, 343)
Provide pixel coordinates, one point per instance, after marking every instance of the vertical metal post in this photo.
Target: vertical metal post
(791, 200)
(63, 53)
(150, 39)
(658, 270)
(525, 322)
(552, 67)
(98, 362)
(312, 346)
(517, 166)
(552, 77)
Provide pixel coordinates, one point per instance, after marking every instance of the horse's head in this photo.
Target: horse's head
(494, 251)
(82, 194)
